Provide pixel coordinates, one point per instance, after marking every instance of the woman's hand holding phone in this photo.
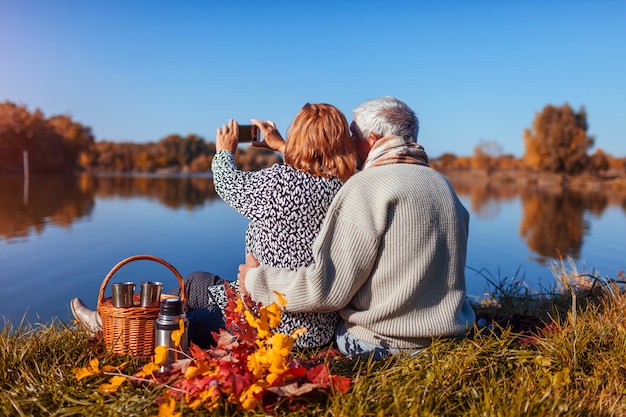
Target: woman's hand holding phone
(271, 137)
(227, 137)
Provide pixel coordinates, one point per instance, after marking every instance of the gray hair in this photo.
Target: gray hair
(386, 116)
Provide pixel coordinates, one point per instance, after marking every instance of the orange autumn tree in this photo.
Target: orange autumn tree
(558, 141)
(22, 131)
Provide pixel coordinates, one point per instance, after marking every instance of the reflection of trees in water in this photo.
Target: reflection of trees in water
(553, 222)
(27, 208)
(485, 197)
(553, 219)
(174, 192)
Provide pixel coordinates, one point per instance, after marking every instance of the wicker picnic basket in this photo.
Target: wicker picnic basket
(131, 330)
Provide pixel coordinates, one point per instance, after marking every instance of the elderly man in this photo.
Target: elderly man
(390, 256)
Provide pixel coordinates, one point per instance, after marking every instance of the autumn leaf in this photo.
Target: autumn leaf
(224, 339)
(294, 389)
(273, 313)
(148, 370)
(319, 374)
(91, 369)
(160, 355)
(113, 384)
(183, 364)
(561, 378)
(250, 397)
(341, 384)
(178, 334)
(248, 361)
(167, 408)
(208, 398)
(112, 368)
(197, 352)
(281, 343)
(233, 381)
(298, 332)
(289, 375)
(543, 361)
(281, 298)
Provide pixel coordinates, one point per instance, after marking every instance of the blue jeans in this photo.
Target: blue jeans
(351, 346)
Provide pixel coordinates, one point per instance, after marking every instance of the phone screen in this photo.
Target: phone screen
(249, 133)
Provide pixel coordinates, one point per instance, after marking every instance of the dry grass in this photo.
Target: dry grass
(559, 353)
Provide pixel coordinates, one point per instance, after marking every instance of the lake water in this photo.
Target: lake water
(60, 236)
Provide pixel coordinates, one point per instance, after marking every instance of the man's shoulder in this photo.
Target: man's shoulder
(396, 180)
(393, 171)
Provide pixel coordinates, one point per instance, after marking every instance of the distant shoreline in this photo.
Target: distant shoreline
(614, 180)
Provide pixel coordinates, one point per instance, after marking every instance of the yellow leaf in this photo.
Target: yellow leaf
(543, 361)
(167, 408)
(248, 398)
(298, 332)
(561, 378)
(281, 344)
(257, 363)
(111, 368)
(148, 369)
(273, 313)
(160, 355)
(178, 334)
(204, 396)
(191, 372)
(113, 384)
(278, 363)
(91, 369)
(281, 298)
(251, 319)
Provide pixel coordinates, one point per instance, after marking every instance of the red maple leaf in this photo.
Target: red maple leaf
(319, 374)
(340, 383)
(224, 339)
(234, 379)
(197, 352)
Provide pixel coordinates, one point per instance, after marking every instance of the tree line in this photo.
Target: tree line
(59, 144)
(557, 142)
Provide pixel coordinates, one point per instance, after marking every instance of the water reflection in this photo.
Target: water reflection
(486, 198)
(554, 221)
(27, 206)
(171, 191)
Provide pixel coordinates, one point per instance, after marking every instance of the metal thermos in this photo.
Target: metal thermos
(170, 313)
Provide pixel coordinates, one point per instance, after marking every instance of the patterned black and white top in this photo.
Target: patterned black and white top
(286, 208)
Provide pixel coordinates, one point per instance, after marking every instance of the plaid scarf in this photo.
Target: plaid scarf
(395, 150)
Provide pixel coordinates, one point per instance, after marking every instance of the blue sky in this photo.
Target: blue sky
(472, 71)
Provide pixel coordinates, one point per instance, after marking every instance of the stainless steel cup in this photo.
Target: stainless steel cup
(151, 293)
(123, 294)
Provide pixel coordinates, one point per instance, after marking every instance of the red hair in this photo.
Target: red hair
(319, 142)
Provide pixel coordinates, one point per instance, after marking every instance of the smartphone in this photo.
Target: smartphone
(249, 133)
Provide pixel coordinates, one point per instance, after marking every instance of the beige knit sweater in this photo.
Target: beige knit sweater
(390, 257)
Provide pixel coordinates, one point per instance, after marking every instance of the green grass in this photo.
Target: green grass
(513, 366)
